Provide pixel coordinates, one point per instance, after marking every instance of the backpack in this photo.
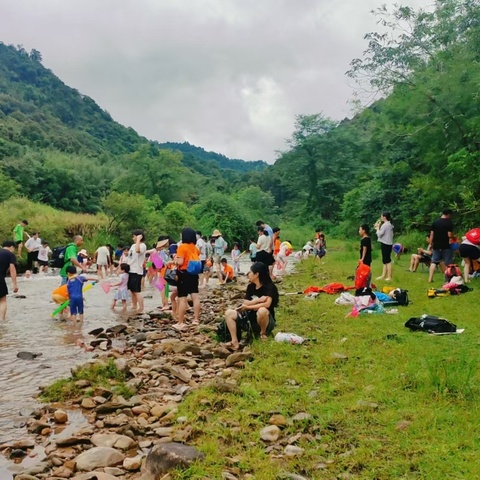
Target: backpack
(401, 297)
(430, 324)
(451, 271)
(473, 236)
(58, 254)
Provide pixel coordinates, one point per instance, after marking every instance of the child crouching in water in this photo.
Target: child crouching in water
(75, 291)
(122, 291)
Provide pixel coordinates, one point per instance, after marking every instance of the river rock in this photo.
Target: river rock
(28, 355)
(88, 403)
(113, 440)
(98, 457)
(23, 444)
(73, 440)
(60, 416)
(132, 464)
(25, 477)
(168, 456)
(238, 357)
(270, 433)
(95, 476)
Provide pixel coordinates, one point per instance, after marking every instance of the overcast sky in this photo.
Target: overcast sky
(226, 75)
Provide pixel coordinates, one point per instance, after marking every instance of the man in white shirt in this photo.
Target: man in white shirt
(136, 258)
(33, 245)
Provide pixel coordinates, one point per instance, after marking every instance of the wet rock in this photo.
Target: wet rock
(60, 416)
(23, 444)
(238, 357)
(112, 406)
(98, 457)
(88, 403)
(117, 329)
(164, 458)
(96, 331)
(28, 355)
(37, 426)
(73, 440)
(270, 433)
(17, 453)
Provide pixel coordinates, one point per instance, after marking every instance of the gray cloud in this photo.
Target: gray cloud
(226, 75)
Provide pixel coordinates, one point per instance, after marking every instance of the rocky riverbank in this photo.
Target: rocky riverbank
(141, 437)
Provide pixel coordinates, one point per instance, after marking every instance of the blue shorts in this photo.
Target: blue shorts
(76, 305)
(445, 255)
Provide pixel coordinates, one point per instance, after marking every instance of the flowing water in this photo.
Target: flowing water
(29, 327)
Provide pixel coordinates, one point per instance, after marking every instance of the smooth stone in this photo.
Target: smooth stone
(168, 456)
(98, 457)
(23, 444)
(60, 416)
(113, 440)
(270, 433)
(88, 403)
(293, 451)
(73, 440)
(116, 472)
(132, 464)
(28, 355)
(278, 420)
(95, 476)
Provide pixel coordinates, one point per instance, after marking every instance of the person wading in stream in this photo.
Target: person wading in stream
(8, 264)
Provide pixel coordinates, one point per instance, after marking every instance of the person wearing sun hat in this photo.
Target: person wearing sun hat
(219, 247)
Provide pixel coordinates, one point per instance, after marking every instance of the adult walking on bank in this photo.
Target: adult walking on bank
(136, 257)
(8, 264)
(440, 234)
(70, 258)
(384, 229)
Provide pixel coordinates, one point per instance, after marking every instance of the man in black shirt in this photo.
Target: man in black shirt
(441, 231)
(7, 264)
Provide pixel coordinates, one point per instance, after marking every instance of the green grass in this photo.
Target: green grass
(97, 374)
(427, 422)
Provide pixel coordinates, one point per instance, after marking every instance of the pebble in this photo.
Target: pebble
(270, 433)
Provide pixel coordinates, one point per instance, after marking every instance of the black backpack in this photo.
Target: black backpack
(430, 324)
(58, 255)
(401, 297)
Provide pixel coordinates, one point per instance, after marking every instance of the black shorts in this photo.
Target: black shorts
(186, 284)
(3, 287)
(469, 251)
(251, 315)
(43, 263)
(134, 282)
(386, 253)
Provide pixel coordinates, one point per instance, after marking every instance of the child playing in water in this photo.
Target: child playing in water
(75, 287)
(122, 291)
(236, 258)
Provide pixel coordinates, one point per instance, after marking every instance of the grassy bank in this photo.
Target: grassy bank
(400, 405)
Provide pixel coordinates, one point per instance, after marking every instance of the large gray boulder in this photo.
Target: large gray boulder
(168, 456)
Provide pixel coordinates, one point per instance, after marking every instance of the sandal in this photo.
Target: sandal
(231, 346)
(179, 326)
(195, 322)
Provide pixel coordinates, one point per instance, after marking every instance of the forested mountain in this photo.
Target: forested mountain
(59, 147)
(413, 152)
(221, 161)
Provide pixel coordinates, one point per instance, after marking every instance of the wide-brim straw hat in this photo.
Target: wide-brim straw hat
(216, 233)
(162, 243)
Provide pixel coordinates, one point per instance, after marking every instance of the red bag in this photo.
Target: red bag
(473, 236)
(334, 288)
(361, 276)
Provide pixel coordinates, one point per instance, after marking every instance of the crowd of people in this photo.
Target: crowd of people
(179, 269)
